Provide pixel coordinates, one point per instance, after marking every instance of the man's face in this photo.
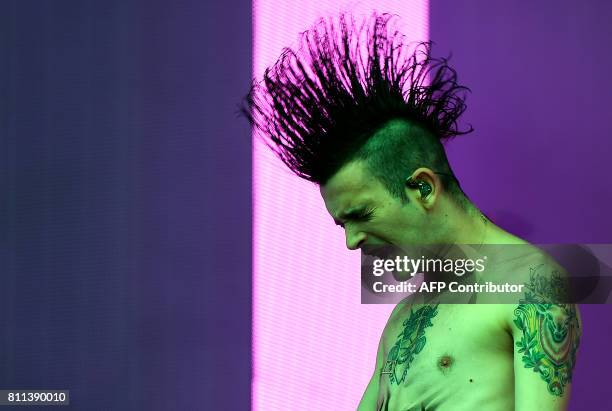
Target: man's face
(370, 214)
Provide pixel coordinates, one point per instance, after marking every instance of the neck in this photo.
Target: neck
(468, 225)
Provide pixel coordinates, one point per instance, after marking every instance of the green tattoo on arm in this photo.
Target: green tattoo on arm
(550, 331)
(409, 343)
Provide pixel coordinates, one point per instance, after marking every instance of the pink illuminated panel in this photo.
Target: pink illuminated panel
(314, 344)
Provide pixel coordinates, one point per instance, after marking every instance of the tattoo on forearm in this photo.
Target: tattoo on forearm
(409, 343)
(550, 331)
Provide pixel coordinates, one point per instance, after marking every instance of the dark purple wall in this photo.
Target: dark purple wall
(539, 160)
(125, 219)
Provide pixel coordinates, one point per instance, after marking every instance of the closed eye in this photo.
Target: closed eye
(358, 216)
(365, 216)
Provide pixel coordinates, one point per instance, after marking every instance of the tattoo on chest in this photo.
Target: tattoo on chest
(550, 333)
(409, 343)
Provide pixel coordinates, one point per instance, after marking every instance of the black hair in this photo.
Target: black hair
(322, 106)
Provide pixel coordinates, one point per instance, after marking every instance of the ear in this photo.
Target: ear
(423, 187)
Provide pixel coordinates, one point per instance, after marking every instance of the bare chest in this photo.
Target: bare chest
(435, 354)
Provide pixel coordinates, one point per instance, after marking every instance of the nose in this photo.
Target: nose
(354, 240)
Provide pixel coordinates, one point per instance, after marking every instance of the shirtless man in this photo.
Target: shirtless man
(453, 356)
(370, 134)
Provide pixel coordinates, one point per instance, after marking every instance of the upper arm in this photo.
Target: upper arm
(546, 336)
(369, 399)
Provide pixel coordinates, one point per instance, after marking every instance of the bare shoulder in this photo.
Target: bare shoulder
(533, 270)
(536, 277)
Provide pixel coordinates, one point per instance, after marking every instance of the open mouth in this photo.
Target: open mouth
(382, 252)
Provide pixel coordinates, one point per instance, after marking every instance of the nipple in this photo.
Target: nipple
(444, 363)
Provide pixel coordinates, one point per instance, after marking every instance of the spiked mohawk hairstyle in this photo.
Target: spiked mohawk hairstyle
(318, 107)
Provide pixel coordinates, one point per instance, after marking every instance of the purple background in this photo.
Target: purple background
(539, 160)
(125, 224)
